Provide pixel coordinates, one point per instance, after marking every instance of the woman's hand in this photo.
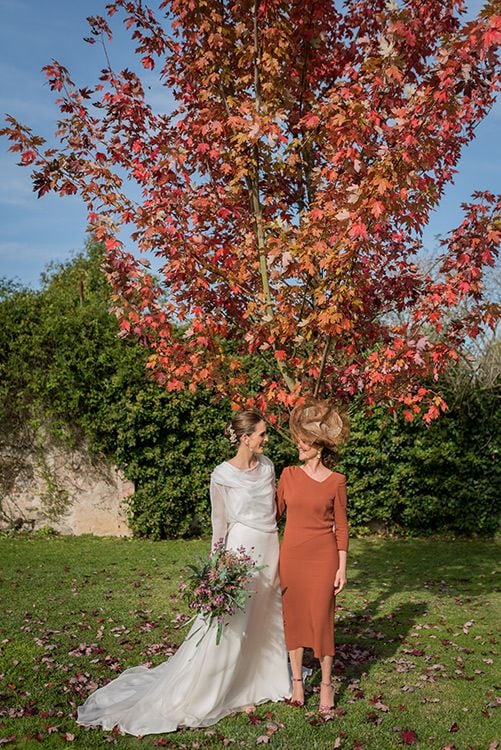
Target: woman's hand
(339, 581)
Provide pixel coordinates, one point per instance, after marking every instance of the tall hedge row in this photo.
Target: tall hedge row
(445, 478)
(64, 367)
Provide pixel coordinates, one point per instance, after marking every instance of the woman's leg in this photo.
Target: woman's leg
(296, 660)
(326, 689)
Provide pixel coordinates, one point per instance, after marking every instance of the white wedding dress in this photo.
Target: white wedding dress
(203, 681)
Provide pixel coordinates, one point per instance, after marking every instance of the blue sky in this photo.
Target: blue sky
(35, 232)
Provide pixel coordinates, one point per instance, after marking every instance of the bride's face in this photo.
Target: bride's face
(256, 441)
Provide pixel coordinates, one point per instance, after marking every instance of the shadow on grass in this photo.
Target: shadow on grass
(449, 568)
(364, 637)
(411, 571)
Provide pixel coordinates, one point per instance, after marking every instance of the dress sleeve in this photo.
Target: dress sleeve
(280, 496)
(218, 513)
(340, 519)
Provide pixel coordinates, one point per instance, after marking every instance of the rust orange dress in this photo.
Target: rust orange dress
(309, 556)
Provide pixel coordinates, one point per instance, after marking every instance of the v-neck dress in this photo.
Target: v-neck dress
(316, 529)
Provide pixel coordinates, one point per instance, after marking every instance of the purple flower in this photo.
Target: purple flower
(215, 584)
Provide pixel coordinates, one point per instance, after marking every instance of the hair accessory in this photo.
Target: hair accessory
(232, 435)
(319, 423)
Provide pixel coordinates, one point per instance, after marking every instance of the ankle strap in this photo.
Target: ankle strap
(297, 679)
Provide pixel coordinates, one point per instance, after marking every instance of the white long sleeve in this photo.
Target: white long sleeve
(218, 513)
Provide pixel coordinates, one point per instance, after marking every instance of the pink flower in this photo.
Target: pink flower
(217, 587)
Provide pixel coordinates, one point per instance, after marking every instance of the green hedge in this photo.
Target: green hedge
(63, 366)
(416, 479)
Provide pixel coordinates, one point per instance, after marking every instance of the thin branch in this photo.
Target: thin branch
(322, 366)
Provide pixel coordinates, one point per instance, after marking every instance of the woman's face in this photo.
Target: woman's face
(256, 441)
(306, 450)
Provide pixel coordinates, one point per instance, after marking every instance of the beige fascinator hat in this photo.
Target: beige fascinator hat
(319, 423)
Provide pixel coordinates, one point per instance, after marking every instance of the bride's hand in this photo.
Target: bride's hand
(339, 581)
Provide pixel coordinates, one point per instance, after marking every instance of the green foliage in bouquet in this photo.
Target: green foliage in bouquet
(218, 586)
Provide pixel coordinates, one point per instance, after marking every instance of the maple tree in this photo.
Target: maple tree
(285, 196)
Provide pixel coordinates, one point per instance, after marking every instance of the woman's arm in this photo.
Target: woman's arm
(341, 534)
(218, 513)
(340, 518)
(280, 497)
(340, 579)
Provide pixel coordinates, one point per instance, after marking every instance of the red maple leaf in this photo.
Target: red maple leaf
(408, 737)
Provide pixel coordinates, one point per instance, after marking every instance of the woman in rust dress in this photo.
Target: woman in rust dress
(315, 543)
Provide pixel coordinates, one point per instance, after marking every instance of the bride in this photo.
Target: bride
(203, 682)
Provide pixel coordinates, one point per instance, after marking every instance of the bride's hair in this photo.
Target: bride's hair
(243, 423)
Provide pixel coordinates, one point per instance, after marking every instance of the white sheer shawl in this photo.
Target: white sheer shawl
(245, 497)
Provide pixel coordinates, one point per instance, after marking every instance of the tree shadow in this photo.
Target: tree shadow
(412, 571)
(364, 637)
(448, 568)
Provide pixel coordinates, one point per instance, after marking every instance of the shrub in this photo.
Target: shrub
(64, 368)
(418, 479)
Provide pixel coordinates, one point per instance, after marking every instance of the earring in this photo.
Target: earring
(319, 454)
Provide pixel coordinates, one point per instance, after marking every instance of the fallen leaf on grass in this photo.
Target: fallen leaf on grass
(448, 747)
(272, 727)
(337, 742)
(18, 713)
(86, 649)
(494, 745)
(338, 712)
(413, 651)
(262, 739)
(6, 740)
(408, 737)
(356, 696)
(454, 727)
(315, 719)
(403, 665)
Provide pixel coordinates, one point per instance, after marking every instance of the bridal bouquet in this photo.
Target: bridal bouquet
(217, 587)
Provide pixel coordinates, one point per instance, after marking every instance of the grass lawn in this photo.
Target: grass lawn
(415, 633)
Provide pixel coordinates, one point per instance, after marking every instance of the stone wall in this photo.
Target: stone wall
(65, 489)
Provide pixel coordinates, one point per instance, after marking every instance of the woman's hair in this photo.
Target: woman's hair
(243, 423)
(321, 425)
